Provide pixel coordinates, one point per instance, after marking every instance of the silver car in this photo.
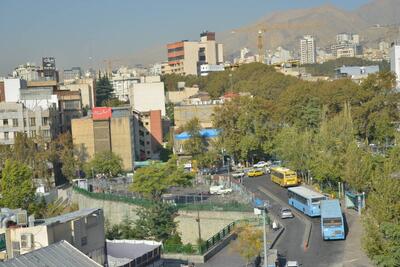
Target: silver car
(286, 213)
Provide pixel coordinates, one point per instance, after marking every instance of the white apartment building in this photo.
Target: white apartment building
(147, 95)
(28, 72)
(395, 61)
(308, 54)
(122, 80)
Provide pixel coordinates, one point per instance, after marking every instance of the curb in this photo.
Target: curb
(308, 224)
(276, 237)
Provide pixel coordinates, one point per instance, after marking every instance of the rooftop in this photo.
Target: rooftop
(306, 192)
(53, 255)
(71, 216)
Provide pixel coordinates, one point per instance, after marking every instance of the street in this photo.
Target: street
(291, 243)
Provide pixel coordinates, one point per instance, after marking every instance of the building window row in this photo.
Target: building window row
(177, 49)
(170, 59)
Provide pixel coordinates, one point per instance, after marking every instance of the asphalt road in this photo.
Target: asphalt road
(290, 245)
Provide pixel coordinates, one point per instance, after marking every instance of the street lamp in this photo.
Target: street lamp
(264, 210)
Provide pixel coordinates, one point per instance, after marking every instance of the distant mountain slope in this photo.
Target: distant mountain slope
(284, 28)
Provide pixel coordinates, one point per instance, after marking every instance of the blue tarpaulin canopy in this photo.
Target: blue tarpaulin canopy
(205, 133)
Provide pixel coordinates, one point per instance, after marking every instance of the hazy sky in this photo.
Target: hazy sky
(74, 31)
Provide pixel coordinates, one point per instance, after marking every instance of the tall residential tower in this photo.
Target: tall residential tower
(308, 54)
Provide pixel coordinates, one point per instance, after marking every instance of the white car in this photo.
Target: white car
(238, 174)
(260, 164)
(292, 264)
(286, 213)
(219, 190)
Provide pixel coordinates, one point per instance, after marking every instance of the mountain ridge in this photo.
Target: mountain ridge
(323, 21)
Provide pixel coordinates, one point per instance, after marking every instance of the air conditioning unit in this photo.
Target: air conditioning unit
(26, 241)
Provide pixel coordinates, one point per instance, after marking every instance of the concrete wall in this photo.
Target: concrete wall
(122, 142)
(82, 135)
(211, 222)
(148, 96)
(178, 96)
(185, 113)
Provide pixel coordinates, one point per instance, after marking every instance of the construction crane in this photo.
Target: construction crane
(262, 29)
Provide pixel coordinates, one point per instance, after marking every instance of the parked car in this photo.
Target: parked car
(260, 164)
(238, 174)
(286, 213)
(219, 190)
(292, 264)
(255, 173)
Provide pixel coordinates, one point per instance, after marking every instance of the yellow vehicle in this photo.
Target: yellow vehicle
(284, 177)
(255, 173)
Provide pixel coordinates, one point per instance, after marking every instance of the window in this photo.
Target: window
(33, 133)
(5, 122)
(45, 121)
(15, 122)
(6, 135)
(147, 143)
(46, 133)
(148, 152)
(146, 123)
(84, 241)
(24, 122)
(332, 222)
(32, 121)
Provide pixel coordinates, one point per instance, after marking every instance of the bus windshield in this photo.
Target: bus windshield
(332, 221)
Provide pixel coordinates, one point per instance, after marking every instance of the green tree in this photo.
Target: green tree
(156, 222)
(246, 127)
(154, 180)
(196, 144)
(114, 102)
(382, 216)
(104, 90)
(106, 162)
(17, 189)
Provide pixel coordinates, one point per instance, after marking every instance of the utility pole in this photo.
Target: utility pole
(198, 224)
(265, 238)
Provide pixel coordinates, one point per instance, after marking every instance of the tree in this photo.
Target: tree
(196, 144)
(104, 90)
(154, 180)
(114, 102)
(156, 222)
(249, 243)
(106, 162)
(382, 216)
(246, 127)
(17, 189)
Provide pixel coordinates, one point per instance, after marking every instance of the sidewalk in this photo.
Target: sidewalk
(354, 256)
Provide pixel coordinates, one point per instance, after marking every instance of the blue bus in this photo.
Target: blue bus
(332, 224)
(305, 200)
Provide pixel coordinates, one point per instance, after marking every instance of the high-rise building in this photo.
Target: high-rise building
(28, 72)
(395, 61)
(107, 129)
(72, 74)
(308, 54)
(186, 57)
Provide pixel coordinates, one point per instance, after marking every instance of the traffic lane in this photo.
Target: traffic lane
(319, 252)
(290, 243)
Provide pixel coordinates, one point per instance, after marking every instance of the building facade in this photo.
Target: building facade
(395, 61)
(186, 57)
(74, 73)
(69, 107)
(308, 54)
(84, 229)
(87, 88)
(204, 112)
(147, 95)
(149, 134)
(106, 129)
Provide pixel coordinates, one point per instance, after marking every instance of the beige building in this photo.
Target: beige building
(87, 87)
(84, 229)
(204, 112)
(185, 57)
(107, 129)
(176, 97)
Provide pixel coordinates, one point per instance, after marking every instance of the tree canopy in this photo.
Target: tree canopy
(154, 180)
(105, 162)
(104, 91)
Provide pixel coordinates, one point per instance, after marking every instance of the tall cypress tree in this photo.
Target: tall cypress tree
(104, 90)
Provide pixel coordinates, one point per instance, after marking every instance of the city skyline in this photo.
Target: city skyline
(77, 34)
